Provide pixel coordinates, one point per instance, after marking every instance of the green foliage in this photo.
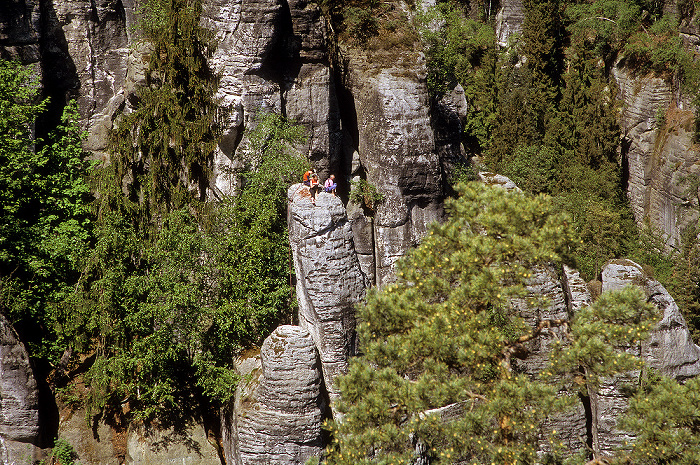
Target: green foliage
(534, 168)
(165, 313)
(600, 336)
(664, 415)
(63, 453)
(366, 194)
(166, 144)
(440, 335)
(435, 378)
(372, 24)
(361, 23)
(46, 224)
(659, 49)
(462, 51)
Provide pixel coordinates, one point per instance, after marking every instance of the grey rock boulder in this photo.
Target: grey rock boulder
(329, 279)
(669, 350)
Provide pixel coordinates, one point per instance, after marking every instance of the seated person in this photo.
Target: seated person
(330, 185)
(306, 180)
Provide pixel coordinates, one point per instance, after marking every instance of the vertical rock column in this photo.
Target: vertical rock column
(329, 279)
(280, 423)
(397, 151)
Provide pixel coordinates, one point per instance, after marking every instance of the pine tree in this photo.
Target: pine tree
(434, 378)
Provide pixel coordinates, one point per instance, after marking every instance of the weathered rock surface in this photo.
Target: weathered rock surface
(669, 350)
(187, 444)
(279, 410)
(19, 400)
(509, 21)
(397, 152)
(20, 30)
(545, 288)
(494, 179)
(103, 444)
(544, 285)
(660, 155)
(329, 279)
(85, 56)
(272, 57)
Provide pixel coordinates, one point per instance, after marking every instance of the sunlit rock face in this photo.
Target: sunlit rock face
(272, 56)
(669, 350)
(280, 404)
(397, 153)
(329, 279)
(658, 153)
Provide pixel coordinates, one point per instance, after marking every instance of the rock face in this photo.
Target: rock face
(329, 279)
(545, 284)
(188, 445)
(278, 413)
(272, 57)
(509, 21)
(19, 400)
(658, 150)
(397, 153)
(669, 350)
(85, 56)
(20, 30)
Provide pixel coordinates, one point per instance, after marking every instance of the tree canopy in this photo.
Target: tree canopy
(435, 377)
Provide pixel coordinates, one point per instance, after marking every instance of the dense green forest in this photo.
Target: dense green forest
(140, 287)
(124, 275)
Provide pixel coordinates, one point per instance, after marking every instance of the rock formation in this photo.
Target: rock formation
(397, 152)
(658, 151)
(367, 117)
(19, 400)
(329, 279)
(272, 56)
(280, 406)
(509, 21)
(669, 350)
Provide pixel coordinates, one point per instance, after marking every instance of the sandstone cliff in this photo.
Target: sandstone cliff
(367, 117)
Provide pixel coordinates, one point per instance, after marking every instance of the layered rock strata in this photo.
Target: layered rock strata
(279, 409)
(272, 57)
(329, 279)
(509, 21)
(19, 400)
